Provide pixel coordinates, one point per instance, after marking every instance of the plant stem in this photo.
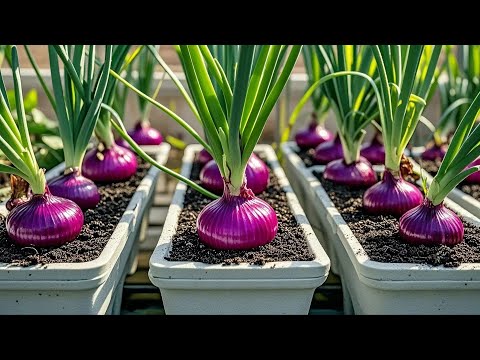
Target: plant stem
(118, 125)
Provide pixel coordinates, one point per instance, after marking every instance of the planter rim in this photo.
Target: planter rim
(391, 275)
(91, 273)
(163, 269)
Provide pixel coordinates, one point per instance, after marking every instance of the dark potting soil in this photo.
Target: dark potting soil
(379, 236)
(97, 229)
(307, 156)
(432, 167)
(290, 243)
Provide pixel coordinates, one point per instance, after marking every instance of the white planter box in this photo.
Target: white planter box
(160, 154)
(304, 184)
(93, 287)
(372, 287)
(274, 288)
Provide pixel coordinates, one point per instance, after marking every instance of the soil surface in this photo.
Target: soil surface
(432, 167)
(97, 229)
(307, 157)
(290, 243)
(379, 236)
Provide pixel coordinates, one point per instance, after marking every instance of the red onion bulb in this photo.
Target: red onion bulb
(256, 173)
(374, 152)
(313, 135)
(356, 174)
(77, 188)
(392, 195)
(328, 151)
(122, 142)
(431, 224)
(204, 157)
(237, 222)
(144, 134)
(44, 220)
(112, 164)
(475, 177)
(434, 152)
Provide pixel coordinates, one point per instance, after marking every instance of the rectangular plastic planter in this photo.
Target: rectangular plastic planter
(274, 288)
(303, 183)
(160, 154)
(372, 287)
(93, 287)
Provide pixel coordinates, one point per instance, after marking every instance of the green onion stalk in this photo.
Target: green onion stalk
(457, 89)
(143, 133)
(315, 133)
(232, 100)
(2, 54)
(354, 102)
(405, 83)
(431, 222)
(36, 217)
(76, 100)
(108, 162)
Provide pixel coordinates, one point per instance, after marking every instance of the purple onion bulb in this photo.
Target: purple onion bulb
(392, 195)
(328, 151)
(356, 174)
(204, 157)
(109, 165)
(313, 135)
(237, 222)
(431, 225)
(122, 142)
(434, 152)
(475, 177)
(144, 134)
(256, 173)
(76, 187)
(374, 151)
(44, 220)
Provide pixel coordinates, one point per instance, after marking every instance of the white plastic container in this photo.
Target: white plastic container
(93, 287)
(372, 287)
(303, 183)
(274, 288)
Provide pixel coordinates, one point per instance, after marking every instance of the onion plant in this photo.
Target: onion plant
(256, 171)
(233, 114)
(315, 133)
(77, 100)
(374, 151)
(405, 82)
(456, 93)
(120, 101)
(143, 133)
(107, 162)
(44, 133)
(353, 100)
(37, 218)
(431, 222)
